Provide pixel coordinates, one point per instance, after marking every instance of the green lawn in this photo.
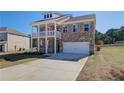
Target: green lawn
(11, 59)
(108, 64)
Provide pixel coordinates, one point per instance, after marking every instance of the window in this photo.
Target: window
(44, 16)
(47, 15)
(86, 27)
(74, 27)
(50, 15)
(64, 28)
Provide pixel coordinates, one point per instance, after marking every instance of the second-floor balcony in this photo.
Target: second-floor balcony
(3, 36)
(49, 34)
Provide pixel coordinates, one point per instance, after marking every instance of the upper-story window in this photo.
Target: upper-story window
(65, 28)
(50, 15)
(86, 27)
(45, 17)
(74, 27)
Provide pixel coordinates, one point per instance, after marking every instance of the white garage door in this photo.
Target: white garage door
(76, 47)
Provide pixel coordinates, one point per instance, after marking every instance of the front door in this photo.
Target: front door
(1, 48)
(58, 46)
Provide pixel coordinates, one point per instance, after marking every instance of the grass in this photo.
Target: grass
(108, 64)
(11, 59)
(114, 56)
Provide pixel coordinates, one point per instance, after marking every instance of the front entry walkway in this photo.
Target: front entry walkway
(44, 69)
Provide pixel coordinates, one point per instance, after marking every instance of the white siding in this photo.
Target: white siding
(18, 41)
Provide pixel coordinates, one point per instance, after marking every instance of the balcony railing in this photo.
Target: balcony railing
(49, 34)
(3, 42)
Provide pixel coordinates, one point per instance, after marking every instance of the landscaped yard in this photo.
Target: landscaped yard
(11, 59)
(108, 64)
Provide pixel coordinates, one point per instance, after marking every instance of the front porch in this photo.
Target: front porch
(47, 37)
(3, 45)
(50, 43)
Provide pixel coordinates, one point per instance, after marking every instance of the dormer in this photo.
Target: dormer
(51, 14)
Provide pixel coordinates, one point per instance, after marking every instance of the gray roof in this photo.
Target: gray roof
(54, 12)
(85, 17)
(12, 31)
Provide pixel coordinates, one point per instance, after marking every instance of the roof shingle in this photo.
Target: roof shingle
(85, 17)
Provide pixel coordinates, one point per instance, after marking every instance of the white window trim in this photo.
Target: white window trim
(45, 16)
(76, 27)
(66, 29)
(84, 27)
(48, 16)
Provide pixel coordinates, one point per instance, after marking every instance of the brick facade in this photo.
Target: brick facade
(70, 36)
(80, 35)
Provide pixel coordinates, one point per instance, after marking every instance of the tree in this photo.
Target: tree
(122, 33)
(122, 27)
(111, 35)
(107, 39)
(115, 34)
(98, 35)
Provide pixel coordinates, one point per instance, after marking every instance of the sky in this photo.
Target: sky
(20, 20)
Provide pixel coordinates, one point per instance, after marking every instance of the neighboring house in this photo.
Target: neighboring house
(11, 40)
(119, 42)
(64, 33)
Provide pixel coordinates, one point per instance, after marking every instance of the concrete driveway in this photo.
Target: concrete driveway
(67, 56)
(55, 68)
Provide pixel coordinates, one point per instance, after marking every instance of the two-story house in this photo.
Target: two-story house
(64, 33)
(12, 40)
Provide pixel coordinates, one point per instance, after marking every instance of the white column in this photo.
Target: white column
(5, 47)
(31, 39)
(38, 37)
(7, 44)
(46, 40)
(54, 38)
